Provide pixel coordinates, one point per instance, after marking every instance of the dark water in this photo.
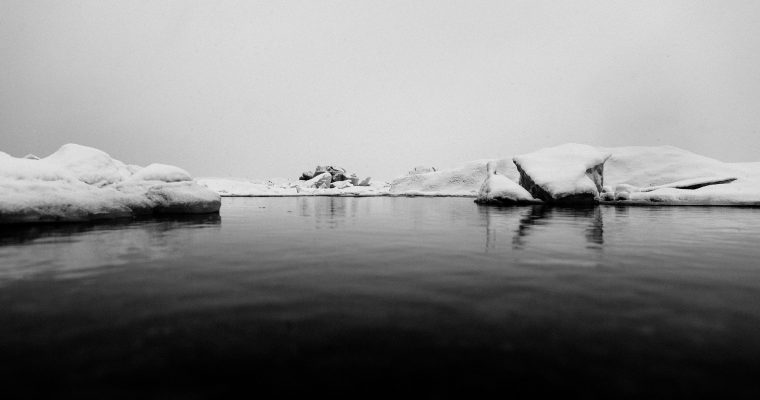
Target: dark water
(370, 297)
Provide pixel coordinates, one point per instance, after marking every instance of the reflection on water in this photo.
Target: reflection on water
(328, 212)
(501, 221)
(360, 296)
(72, 249)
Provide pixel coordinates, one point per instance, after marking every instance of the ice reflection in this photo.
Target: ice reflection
(328, 212)
(79, 249)
(523, 222)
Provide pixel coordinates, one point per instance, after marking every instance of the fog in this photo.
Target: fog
(271, 88)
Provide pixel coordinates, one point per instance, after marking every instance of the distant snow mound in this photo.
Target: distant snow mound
(464, 180)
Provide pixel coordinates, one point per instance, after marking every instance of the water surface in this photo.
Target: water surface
(374, 296)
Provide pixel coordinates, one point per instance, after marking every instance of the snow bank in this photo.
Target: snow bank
(465, 180)
(569, 172)
(79, 183)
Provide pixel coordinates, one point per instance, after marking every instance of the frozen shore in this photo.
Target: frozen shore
(79, 183)
(635, 175)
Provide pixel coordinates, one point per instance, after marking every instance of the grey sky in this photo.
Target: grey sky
(272, 88)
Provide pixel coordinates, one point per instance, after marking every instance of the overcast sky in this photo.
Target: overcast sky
(271, 88)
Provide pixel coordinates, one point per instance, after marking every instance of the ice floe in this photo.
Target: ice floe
(80, 183)
(464, 180)
(624, 175)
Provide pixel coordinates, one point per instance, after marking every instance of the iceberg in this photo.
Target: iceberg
(658, 175)
(80, 183)
(567, 173)
(498, 189)
(667, 175)
(464, 180)
(318, 181)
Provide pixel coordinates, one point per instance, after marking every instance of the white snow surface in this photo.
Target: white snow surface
(628, 173)
(561, 170)
(240, 187)
(682, 184)
(89, 165)
(659, 165)
(161, 172)
(80, 183)
(320, 181)
(464, 180)
(647, 175)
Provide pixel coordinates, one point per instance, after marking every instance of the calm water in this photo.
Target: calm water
(368, 296)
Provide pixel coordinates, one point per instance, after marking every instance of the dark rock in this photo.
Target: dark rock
(339, 176)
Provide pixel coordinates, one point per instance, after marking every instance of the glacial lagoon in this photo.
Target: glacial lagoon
(372, 296)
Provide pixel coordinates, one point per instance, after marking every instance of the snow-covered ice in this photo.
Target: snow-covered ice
(80, 183)
(161, 172)
(693, 183)
(644, 166)
(569, 172)
(464, 180)
(498, 189)
(658, 175)
(319, 181)
(239, 187)
(630, 175)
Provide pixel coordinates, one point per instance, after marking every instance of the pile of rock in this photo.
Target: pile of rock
(331, 177)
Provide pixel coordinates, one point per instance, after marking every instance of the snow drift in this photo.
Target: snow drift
(80, 183)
